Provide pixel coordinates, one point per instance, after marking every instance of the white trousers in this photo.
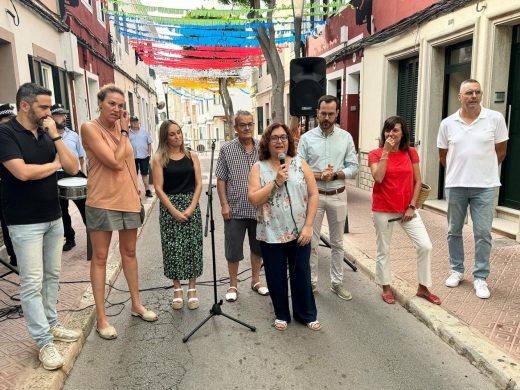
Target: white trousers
(336, 208)
(416, 231)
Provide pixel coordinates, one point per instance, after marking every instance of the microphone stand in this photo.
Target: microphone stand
(216, 309)
(10, 267)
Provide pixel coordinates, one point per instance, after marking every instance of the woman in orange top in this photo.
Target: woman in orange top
(113, 201)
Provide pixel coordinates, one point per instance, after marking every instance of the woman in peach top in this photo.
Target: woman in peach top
(113, 201)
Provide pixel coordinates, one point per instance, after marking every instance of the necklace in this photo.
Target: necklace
(103, 126)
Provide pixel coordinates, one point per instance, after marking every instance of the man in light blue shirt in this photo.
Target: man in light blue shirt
(331, 154)
(142, 145)
(73, 142)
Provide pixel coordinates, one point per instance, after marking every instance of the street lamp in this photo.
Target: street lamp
(298, 15)
(165, 89)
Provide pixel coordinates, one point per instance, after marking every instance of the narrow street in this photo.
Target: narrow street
(364, 343)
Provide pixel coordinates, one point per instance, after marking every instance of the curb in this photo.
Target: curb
(496, 364)
(41, 378)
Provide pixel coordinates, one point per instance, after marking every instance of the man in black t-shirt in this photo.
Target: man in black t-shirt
(31, 151)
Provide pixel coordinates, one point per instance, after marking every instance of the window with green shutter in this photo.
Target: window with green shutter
(407, 93)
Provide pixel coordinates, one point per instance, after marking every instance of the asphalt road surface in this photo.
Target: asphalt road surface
(364, 343)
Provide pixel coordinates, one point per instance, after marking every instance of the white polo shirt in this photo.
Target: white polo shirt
(472, 160)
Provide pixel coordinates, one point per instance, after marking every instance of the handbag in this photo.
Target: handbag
(424, 192)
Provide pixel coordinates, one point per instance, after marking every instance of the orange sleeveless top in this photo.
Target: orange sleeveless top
(108, 188)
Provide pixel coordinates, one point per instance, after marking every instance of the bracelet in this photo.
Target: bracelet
(124, 132)
(274, 189)
(411, 206)
(335, 176)
(276, 184)
(56, 138)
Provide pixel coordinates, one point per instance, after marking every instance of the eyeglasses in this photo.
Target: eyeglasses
(246, 125)
(275, 138)
(471, 93)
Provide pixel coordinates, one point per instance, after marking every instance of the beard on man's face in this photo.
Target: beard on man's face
(60, 126)
(33, 117)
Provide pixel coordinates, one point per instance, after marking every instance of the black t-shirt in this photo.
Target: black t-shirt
(31, 201)
(179, 176)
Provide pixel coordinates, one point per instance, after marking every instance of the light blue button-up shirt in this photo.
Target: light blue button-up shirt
(140, 141)
(73, 142)
(336, 149)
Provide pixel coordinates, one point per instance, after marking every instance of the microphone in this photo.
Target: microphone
(281, 157)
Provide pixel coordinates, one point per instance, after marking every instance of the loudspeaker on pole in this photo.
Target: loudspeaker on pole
(307, 85)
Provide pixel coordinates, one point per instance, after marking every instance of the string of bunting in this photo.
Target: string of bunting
(282, 11)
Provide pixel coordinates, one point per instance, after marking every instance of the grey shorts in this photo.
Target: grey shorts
(234, 232)
(110, 220)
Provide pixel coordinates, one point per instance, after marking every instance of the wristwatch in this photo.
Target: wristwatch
(411, 206)
(335, 176)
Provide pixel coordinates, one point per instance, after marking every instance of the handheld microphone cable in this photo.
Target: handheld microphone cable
(281, 158)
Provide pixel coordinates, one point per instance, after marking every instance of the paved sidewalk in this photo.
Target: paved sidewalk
(486, 331)
(19, 364)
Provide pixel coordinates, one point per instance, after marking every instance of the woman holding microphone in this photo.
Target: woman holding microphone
(283, 188)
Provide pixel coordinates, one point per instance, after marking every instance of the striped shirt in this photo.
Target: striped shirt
(233, 166)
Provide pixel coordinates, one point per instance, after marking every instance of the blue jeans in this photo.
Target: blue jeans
(480, 201)
(38, 248)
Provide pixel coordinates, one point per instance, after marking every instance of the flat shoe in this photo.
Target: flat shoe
(314, 325)
(108, 333)
(430, 298)
(260, 289)
(388, 298)
(148, 316)
(231, 296)
(280, 325)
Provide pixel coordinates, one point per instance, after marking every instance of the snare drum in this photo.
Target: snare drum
(72, 188)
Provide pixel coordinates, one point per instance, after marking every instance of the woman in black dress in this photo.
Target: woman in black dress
(178, 185)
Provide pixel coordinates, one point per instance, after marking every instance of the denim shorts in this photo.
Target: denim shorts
(234, 232)
(111, 220)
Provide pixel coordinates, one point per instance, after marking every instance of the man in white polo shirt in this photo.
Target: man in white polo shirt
(472, 143)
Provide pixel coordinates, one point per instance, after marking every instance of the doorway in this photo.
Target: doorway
(457, 69)
(510, 191)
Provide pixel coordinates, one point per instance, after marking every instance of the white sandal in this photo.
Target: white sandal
(193, 303)
(260, 290)
(231, 296)
(280, 325)
(178, 303)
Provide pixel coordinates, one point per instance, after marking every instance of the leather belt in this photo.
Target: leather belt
(332, 192)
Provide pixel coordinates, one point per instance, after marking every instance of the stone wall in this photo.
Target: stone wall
(365, 179)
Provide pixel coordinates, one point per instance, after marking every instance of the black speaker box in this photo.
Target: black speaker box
(307, 85)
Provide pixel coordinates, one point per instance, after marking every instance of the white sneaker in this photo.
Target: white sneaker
(61, 333)
(50, 357)
(481, 288)
(454, 279)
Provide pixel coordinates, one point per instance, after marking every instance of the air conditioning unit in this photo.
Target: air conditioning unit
(344, 34)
